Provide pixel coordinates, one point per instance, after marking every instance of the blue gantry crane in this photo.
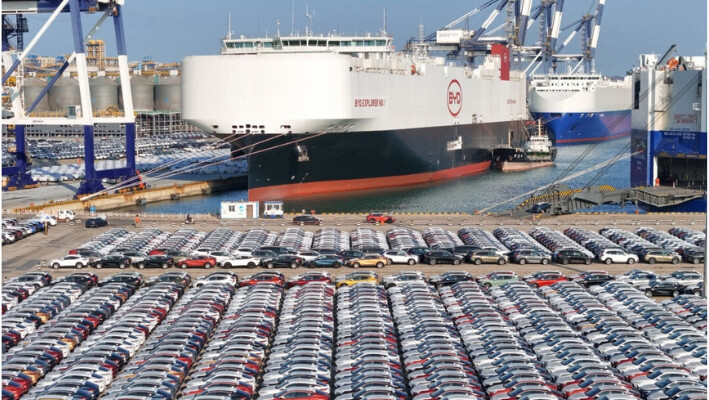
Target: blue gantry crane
(18, 175)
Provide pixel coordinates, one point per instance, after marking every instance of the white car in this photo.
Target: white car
(72, 260)
(308, 255)
(240, 261)
(400, 257)
(217, 277)
(52, 220)
(609, 256)
(220, 256)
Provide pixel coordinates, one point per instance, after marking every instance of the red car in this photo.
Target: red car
(308, 277)
(198, 262)
(261, 277)
(381, 218)
(540, 280)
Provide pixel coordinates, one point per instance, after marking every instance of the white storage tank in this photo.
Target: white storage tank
(31, 89)
(168, 95)
(104, 93)
(64, 93)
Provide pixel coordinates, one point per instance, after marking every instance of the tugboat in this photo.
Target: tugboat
(537, 152)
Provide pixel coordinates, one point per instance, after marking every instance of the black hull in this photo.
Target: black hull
(282, 166)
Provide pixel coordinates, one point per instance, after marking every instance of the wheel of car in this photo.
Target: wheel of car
(608, 261)
(545, 261)
(269, 265)
(79, 265)
(55, 265)
(251, 264)
(389, 261)
(389, 220)
(522, 261)
(165, 265)
(456, 261)
(312, 264)
(123, 266)
(336, 264)
(675, 293)
(648, 293)
(675, 260)
(696, 261)
(207, 265)
(411, 261)
(370, 220)
(228, 265)
(98, 265)
(432, 261)
(697, 292)
(501, 261)
(141, 266)
(651, 261)
(631, 261)
(293, 265)
(487, 285)
(565, 261)
(355, 265)
(183, 265)
(587, 261)
(478, 261)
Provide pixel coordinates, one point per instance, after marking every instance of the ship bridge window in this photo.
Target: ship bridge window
(345, 43)
(267, 44)
(358, 42)
(334, 43)
(381, 42)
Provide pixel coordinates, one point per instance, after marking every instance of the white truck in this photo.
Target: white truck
(66, 215)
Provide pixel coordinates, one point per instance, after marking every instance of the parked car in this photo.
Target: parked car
(217, 277)
(87, 279)
(566, 256)
(198, 262)
(333, 261)
(263, 277)
(306, 220)
(547, 278)
(240, 261)
(403, 277)
(381, 218)
(132, 278)
(65, 215)
(591, 278)
(694, 256)
(71, 260)
(663, 288)
(96, 222)
(441, 257)
(312, 276)
(652, 256)
(157, 261)
(284, 260)
(495, 280)
(532, 256)
(354, 278)
(369, 260)
(400, 257)
(113, 261)
(480, 256)
(450, 278)
(37, 279)
(609, 256)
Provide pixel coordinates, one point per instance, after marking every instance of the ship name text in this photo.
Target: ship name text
(369, 102)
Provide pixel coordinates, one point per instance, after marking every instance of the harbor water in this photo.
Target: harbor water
(481, 192)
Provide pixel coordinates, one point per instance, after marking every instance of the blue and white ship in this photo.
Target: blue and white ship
(580, 108)
(669, 131)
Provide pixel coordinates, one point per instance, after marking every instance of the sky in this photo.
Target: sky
(169, 30)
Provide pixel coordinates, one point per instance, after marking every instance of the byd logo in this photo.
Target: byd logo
(455, 98)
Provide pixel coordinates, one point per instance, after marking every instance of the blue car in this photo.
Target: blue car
(96, 222)
(328, 260)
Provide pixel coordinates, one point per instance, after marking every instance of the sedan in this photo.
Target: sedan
(113, 261)
(157, 261)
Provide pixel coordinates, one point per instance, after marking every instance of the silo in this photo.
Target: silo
(31, 88)
(64, 93)
(168, 94)
(141, 88)
(104, 93)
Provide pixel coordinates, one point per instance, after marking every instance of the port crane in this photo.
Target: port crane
(80, 114)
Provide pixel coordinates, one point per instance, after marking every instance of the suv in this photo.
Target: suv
(660, 255)
(566, 256)
(306, 220)
(609, 256)
(381, 218)
(480, 256)
(525, 256)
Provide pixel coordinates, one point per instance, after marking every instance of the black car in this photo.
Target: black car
(594, 279)
(348, 255)
(86, 279)
(441, 256)
(132, 278)
(539, 207)
(417, 251)
(278, 250)
(694, 256)
(96, 222)
(663, 288)
(113, 261)
(157, 261)
(306, 220)
(694, 289)
(450, 278)
(182, 278)
(285, 260)
(566, 256)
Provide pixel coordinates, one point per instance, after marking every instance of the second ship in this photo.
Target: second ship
(324, 114)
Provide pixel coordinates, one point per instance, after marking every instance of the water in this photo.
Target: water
(463, 195)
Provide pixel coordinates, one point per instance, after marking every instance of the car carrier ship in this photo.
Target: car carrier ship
(669, 138)
(581, 108)
(332, 113)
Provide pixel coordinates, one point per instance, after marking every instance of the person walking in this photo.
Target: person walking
(137, 219)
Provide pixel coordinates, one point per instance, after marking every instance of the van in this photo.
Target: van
(65, 215)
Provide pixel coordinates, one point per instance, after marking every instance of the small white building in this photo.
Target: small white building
(273, 209)
(239, 209)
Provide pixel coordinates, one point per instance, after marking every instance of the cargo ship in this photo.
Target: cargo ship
(537, 151)
(581, 108)
(335, 113)
(669, 131)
